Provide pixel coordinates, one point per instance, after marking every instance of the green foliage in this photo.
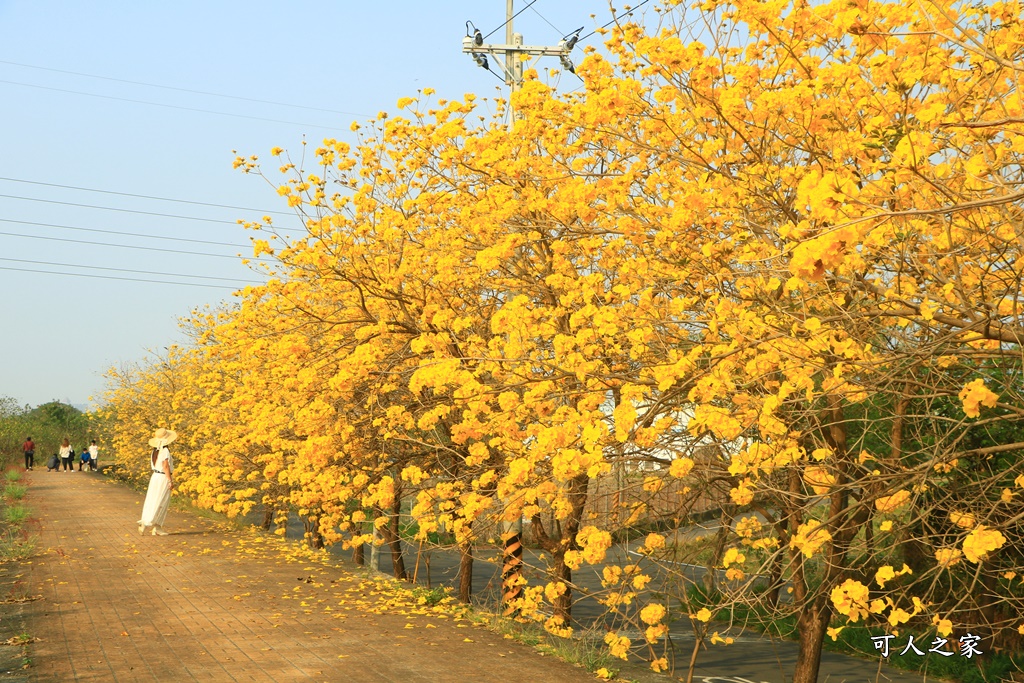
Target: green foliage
(47, 424)
(989, 667)
(408, 530)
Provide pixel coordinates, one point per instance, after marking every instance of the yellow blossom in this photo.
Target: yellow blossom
(893, 502)
(943, 626)
(594, 543)
(974, 395)
(947, 557)
(680, 467)
(819, 479)
(654, 542)
(611, 575)
(618, 645)
(810, 537)
(851, 598)
(964, 520)
(747, 527)
(652, 614)
(733, 555)
(980, 542)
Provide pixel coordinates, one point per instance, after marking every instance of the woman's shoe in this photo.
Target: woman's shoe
(158, 531)
(142, 529)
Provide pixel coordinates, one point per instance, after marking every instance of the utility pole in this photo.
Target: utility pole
(513, 50)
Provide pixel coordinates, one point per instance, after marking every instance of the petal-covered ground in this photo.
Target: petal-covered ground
(213, 603)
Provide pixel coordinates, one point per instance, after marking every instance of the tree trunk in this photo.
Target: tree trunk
(711, 573)
(375, 545)
(359, 554)
(465, 573)
(565, 541)
(268, 517)
(563, 603)
(811, 625)
(869, 536)
(313, 536)
(394, 541)
(771, 595)
(512, 569)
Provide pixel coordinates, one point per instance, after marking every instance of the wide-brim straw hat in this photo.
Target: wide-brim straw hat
(162, 437)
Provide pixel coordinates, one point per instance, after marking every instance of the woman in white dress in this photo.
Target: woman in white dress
(158, 497)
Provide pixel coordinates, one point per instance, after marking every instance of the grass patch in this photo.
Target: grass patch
(585, 648)
(15, 514)
(15, 548)
(12, 475)
(430, 596)
(15, 491)
(989, 667)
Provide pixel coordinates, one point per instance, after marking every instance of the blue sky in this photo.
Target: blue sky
(71, 117)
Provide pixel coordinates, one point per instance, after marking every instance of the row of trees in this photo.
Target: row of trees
(771, 249)
(48, 424)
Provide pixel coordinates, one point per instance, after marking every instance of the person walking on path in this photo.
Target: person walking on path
(66, 454)
(161, 481)
(94, 453)
(29, 448)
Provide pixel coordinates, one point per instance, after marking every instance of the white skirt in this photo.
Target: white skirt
(158, 499)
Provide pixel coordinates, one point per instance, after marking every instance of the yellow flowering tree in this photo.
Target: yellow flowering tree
(773, 271)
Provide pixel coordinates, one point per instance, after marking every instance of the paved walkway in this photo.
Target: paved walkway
(212, 603)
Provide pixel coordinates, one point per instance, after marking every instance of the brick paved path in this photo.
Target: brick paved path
(211, 603)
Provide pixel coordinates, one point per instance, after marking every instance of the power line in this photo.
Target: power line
(510, 19)
(114, 208)
(188, 90)
(170, 106)
(114, 277)
(143, 196)
(125, 270)
(615, 19)
(126, 234)
(123, 246)
(557, 30)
